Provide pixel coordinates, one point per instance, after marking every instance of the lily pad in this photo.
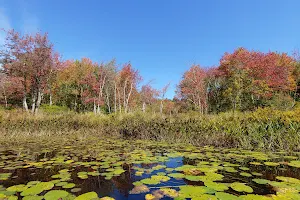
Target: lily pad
(87, 196)
(216, 186)
(226, 196)
(17, 188)
(169, 192)
(69, 185)
(245, 174)
(37, 189)
(241, 187)
(189, 191)
(33, 198)
(176, 175)
(272, 164)
(260, 181)
(55, 194)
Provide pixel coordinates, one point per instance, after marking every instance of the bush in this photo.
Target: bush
(53, 109)
(264, 129)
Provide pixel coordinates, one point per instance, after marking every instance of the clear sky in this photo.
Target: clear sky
(161, 38)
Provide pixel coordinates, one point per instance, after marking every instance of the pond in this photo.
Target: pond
(93, 168)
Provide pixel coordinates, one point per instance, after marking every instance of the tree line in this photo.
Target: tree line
(244, 80)
(32, 74)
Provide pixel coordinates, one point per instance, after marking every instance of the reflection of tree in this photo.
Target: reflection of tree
(97, 184)
(23, 176)
(188, 161)
(148, 166)
(123, 183)
(103, 187)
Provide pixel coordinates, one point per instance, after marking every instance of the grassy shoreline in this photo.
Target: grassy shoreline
(264, 129)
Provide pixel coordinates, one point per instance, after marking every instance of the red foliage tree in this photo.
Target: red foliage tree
(193, 88)
(128, 79)
(10, 88)
(261, 75)
(148, 95)
(31, 59)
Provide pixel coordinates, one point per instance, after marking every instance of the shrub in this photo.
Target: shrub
(53, 109)
(264, 129)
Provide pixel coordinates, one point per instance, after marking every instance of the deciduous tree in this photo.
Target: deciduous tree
(148, 95)
(193, 88)
(31, 59)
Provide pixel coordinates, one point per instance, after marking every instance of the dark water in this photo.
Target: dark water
(119, 187)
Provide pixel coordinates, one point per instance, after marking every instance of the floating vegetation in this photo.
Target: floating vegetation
(87, 196)
(245, 174)
(260, 181)
(216, 186)
(169, 192)
(241, 187)
(55, 194)
(176, 175)
(110, 169)
(189, 191)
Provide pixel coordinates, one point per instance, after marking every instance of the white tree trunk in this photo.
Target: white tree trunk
(161, 107)
(50, 98)
(33, 103)
(115, 106)
(25, 106)
(39, 100)
(124, 94)
(127, 100)
(98, 109)
(108, 104)
(120, 106)
(5, 99)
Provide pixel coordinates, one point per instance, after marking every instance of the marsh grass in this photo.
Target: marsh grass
(264, 129)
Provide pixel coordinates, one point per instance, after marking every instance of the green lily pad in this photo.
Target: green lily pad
(260, 181)
(244, 168)
(17, 188)
(87, 196)
(254, 197)
(216, 186)
(74, 190)
(294, 163)
(272, 164)
(169, 192)
(12, 198)
(31, 183)
(226, 196)
(245, 174)
(137, 183)
(193, 178)
(33, 198)
(37, 189)
(149, 181)
(176, 175)
(69, 185)
(257, 174)
(189, 191)
(230, 169)
(55, 194)
(107, 198)
(60, 184)
(288, 179)
(241, 187)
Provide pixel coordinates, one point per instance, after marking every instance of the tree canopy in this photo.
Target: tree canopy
(33, 73)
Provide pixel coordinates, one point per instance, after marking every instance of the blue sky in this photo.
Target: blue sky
(161, 38)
